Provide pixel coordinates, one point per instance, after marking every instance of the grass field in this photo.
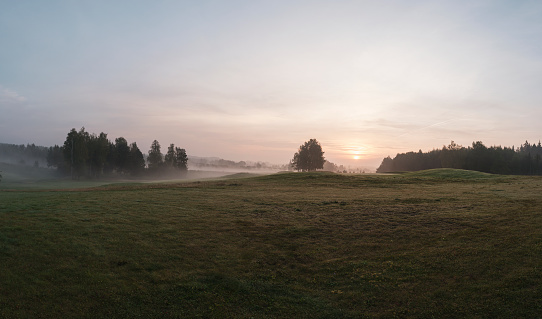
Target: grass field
(438, 243)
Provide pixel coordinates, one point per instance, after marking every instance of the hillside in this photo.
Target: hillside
(439, 243)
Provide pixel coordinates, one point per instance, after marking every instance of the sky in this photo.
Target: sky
(253, 80)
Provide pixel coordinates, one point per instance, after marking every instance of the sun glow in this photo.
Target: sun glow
(355, 152)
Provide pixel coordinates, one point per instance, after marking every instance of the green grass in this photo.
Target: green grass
(450, 173)
(443, 244)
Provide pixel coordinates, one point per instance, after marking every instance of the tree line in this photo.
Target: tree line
(89, 155)
(523, 160)
(29, 154)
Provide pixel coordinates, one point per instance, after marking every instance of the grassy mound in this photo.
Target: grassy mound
(451, 173)
(239, 175)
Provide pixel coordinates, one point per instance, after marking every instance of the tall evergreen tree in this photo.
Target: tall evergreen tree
(155, 156)
(122, 153)
(136, 161)
(170, 159)
(98, 149)
(181, 159)
(76, 152)
(111, 157)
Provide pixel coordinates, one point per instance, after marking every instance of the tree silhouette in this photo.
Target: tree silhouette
(181, 160)
(98, 149)
(136, 161)
(155, 156)
(524, 160)
(90, 155)
(386, 166)
(170, 159)
(309, 157)
(76, 152)
(122, 151)
(55, 157)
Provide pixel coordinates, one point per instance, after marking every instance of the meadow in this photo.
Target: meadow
(439, 243)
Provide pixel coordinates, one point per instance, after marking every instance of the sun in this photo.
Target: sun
(355, 152)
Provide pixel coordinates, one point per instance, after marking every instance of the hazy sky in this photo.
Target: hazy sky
(252, 80)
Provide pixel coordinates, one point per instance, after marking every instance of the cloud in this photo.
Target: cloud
(9, 97)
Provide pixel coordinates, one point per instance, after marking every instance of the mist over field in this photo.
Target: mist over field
(11, 154)
(28, 166)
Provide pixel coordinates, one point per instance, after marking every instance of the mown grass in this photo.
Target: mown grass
(289, 245)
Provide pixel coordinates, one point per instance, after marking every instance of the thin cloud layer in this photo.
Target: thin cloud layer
(252, 81)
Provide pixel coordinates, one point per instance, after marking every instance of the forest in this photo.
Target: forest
(89, 155)
(523, 160)
(29, 154)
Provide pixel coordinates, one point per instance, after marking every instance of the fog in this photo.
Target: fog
(23, 164)
(18, 170)
(215, 164)
(29, 154)
(24, 161)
